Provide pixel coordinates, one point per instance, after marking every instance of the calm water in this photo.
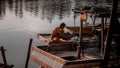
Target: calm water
(21, 20)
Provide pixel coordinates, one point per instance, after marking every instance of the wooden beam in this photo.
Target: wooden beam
(106, 55)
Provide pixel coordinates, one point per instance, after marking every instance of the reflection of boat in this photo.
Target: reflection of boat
(63, 56)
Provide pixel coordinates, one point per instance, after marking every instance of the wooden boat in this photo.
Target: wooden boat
(63, 56)
(48, 41)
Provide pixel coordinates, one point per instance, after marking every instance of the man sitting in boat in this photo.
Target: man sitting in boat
(61, 33)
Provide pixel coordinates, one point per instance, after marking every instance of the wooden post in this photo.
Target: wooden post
(86, 19)
(110, 34)
(80, 32)
(3, 56)
(102, 35)
(80, 36)
(105, 22)
(28, 54)
(94, 23)
(78, 52)
(74, 25)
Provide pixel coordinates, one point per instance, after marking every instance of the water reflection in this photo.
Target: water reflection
(92, 3)
(45, 9)
(2, 9)
(56, 7)
(48, 8)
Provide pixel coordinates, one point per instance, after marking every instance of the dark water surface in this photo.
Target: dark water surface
(21, 20)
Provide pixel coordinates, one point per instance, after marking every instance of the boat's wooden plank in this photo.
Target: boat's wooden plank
(54, 48)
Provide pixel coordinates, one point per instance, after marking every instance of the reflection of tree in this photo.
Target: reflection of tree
(16, 6)
(48, 9)
(90, 3)
(2, 8)
(32, 7)
(10, 5)
(61, 8)
(109, 1)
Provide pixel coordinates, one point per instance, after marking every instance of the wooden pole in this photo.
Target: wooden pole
(28, 54)
(81, 39)
(110, 34)
(74, 23)
(80, 34)
(102, 35)
(3, 56)
(78, 52)
(94, 23)
(86, 19)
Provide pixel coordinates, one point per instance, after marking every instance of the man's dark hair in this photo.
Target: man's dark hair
(62, 25)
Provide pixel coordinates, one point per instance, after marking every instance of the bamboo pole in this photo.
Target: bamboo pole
(28, 54)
